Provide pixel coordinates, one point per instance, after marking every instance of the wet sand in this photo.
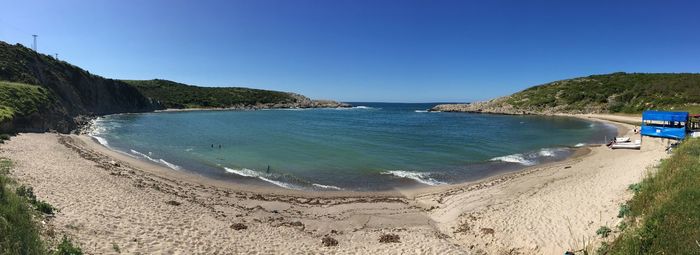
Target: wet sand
(108, 198)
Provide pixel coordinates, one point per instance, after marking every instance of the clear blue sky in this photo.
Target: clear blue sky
(401, 50)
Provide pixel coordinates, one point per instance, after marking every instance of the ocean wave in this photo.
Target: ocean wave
(171, 165)
(245, 172)
(420, 111)
(359, 107)
(159, 161)
(515, 158)
(327, 186)
(550, 152)
(579, 145)
(100, 140)
(530, 158)
(421, 177)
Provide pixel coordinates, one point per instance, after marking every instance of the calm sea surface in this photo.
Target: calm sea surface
(373, 146)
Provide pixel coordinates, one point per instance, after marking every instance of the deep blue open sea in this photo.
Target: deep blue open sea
(372, 146)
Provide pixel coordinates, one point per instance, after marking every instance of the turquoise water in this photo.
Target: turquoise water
(375, 146)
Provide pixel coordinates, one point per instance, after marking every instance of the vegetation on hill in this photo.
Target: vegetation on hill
(663, 217)
(21, 100)
(77, 92)
(617, 92)
(607, 93)
(177, 95)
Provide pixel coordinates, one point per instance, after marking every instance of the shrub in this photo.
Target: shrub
(624, 211)
(66, 247)
(28, 193)
(43, 207)
(603, 231)
(636, 187)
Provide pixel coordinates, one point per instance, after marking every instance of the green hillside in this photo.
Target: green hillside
(617, 92)
(177, 95)
(75, 94)
(21, 100)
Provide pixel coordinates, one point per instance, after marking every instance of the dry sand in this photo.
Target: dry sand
(107, 198)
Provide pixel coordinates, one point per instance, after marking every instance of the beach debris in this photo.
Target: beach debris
(329, 241)
(239, 226)
(296, 224)
(463, 228)
(487, 231)
(173, 202)
(389, 238)
(567, 167)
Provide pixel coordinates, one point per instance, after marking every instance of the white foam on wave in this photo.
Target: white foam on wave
(546, 152)
(245, 172)
(327, 186)
(515, 158)
(159, 161)
(101, 140)
(420, 111)
(421, 177)
(171, 165)
(579, 145)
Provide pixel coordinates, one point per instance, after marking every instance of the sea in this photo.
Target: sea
(368, 147)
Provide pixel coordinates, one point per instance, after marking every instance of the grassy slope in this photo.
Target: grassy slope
(617, 92)
(19, 233)
(18, 99)
(177, 95)
(664, 215)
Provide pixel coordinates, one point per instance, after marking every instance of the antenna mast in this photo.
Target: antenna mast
(34, 45)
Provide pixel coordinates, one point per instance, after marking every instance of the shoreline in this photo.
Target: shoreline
(271, 189)
(103, 200)
(248, 108)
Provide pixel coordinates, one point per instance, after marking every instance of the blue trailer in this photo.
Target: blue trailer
(673, 125)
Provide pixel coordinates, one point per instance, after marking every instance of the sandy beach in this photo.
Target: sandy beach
(109, 199)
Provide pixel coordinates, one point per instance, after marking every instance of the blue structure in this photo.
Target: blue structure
(672, 125)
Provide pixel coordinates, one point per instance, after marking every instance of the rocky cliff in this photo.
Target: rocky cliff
(73, 95)
(78, 93)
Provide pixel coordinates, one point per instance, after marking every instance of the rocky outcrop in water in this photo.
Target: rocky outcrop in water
(494, 106)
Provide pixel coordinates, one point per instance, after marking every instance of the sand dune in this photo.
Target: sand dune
(106, 198)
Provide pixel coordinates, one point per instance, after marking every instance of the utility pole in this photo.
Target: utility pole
(34, 45)
(56, 55)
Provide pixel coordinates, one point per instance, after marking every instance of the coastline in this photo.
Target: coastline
(428, 219)
(497, 166)
(255, 108)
